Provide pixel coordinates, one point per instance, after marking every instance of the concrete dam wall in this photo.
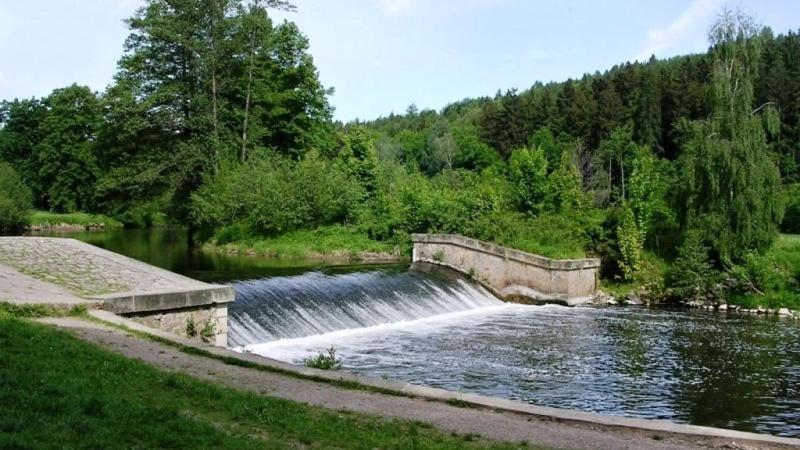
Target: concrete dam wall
(511, 274)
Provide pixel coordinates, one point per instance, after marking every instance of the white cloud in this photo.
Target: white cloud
(396, 6)
(694, 19)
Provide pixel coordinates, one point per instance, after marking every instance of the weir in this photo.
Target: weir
(511, 274)
(315, 303)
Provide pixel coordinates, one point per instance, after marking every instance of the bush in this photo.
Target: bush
(791, 217)
(272, 195)
(16, 200)
(324, 361)
(692, 277)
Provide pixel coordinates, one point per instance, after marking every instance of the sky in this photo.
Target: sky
(382, 55)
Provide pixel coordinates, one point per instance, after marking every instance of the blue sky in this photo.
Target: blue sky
(382, 55)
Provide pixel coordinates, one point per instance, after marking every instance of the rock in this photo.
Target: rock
(633, 299)
(784, 312)
(723, 307)
(760, 310)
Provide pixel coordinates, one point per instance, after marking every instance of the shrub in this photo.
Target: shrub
(191, 327)
(791, 217)
(209, 330)
(692, 277)
(15, 200)
(324, 361)
(272, 195)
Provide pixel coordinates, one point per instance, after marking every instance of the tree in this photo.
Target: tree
(15, 200)
(646, 194)
(730, 186)
(65, 156)
(21, 131)
(528, 173)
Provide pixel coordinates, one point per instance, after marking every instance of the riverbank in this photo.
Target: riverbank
(84, 395)
(217, 398)
(771, 283)
(327, 244)
(44, 221)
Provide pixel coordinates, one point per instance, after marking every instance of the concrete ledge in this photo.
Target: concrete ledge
(472, 400)
(137, 302)
(507, 253)
(511, 274)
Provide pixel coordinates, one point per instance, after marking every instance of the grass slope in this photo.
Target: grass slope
(60, 392)
(46, 219)
(328, 241)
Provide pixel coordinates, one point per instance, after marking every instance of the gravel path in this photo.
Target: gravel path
(492, 425)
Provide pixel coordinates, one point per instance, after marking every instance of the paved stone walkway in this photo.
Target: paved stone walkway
(86, 270)
(16, 287)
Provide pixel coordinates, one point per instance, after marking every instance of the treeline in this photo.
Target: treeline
(201, 84)
(216, 118)
(651, 98)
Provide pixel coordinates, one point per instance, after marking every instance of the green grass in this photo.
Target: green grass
(650, 277)
(329, 241)
(34, 310)
(60, 392)
(51, 219)
(783, 290)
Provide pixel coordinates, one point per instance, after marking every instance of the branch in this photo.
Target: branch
(762, 107)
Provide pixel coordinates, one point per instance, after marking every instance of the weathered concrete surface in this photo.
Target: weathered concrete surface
(67, 268)
(16, 287)
(511, 274)
(492, 418)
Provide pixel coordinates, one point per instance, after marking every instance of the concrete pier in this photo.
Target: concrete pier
(511, 274)
(67, 272)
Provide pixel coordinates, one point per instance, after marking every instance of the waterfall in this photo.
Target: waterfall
(316, 303)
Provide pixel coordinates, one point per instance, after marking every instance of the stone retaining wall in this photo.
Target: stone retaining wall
(511, 274)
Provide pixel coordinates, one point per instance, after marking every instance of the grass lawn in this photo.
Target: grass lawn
(336, 240)
(60, 392)
(50, 219)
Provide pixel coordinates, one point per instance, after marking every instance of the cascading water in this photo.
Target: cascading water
(315, 303)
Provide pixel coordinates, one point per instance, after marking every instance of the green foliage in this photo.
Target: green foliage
(730, 186)
(324, 361)
(15, 200)
(646, 199)
(272, 195)
(528, 172)
(564, 189)
(208, 331)
(692, 277)
(191, 327)
(52, 144)
(335, 241)
(791, 218)
(771, 280)
(631, 244)
(360, 157)
(46, 219)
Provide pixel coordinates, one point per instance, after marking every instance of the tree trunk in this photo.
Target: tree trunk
(249, 88)
(214, 113)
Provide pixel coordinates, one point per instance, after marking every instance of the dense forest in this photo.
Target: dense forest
(678, 173)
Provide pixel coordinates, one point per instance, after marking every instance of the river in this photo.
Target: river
(690, 366)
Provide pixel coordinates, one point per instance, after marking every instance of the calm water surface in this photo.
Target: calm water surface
(689, 366)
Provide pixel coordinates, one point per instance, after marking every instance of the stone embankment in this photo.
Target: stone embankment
(511, 274)
(783, 312)
(71, 272)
